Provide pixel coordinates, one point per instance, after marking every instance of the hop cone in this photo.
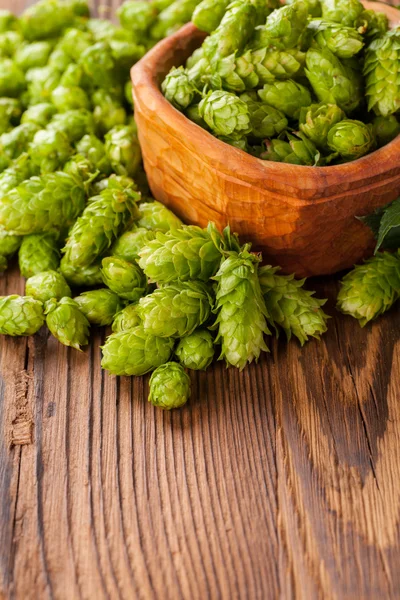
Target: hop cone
(196, 351)
(99, 65)
(30, 56)
(298, 151)
(81, 168)
(99, 306)
(266, 121)
(316, 121)
(129, 245)
(20, 315)
(9, 244)
(154, 215)
(344, 42)
(177, 88)
(7, 20)
(176, 310)
(270, 64)
(169, 386)
(38, 252)
(49, 150)
(385, 130)
(22, 168)
(136, 16)
(74, 124)
(127, 318)
(46, 19)
(277, 151)
(370, 289)
(41, 83)
(382, 74)
(124, 278)
(241, 310)
(135, 352)
(286, 96)
(47, 285)
(123, 150)
(42, 204)
(14, 142)
(39, 114)
(104, 218)
(225, 113)
(172, 18)
(345, 12)
(352, 139)
(313, 6)
(82, 276)
(208, 14)
(12, 79)
(10, 112)
(372, 24)
(108, 112)
(292, 307)
(184, 254)
(283, 28)
(93, 149)
(67, 323)
(332, 81)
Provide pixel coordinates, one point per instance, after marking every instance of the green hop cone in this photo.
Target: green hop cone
(30, 56)
(182, 254)
(135, 352)
(208, 14)
(137, 16)
(99, 306)
(345, 12)
(20, 315)
(283, 27)
(15, 142)
(175, 310)
(10, 41)
(169, 386)
(123, 150)
(154, 215)
(46, 19)
(129, 245)
(49, 150)
(172, 18)
(39, 114)
(370, 289)
(344, 42)
(124, 278)
(225, 113)
(9, 244)
(10, 112)
(266, 121)
(93, 149)
(313, 6)
(107, 113)
(82, 276)
(287, 96)
(292, 307)
(385, 129)
(270, 64)
(74, 124)
(81, 168)
(177, 88)
(69, 98)
(8, 21)
(332, 81)
(127, 318)
(46, 203)
(41, 83)
(382, 74)
(38, 252)
(299, 150)
(316, 121)
(196, 351)
(372, 24)
(74, 42)
(12, 79)
(47, 285)
(73, 76)
(240, 308)
(351, 139)
(20, 169)
(67, 323)
(103, 219)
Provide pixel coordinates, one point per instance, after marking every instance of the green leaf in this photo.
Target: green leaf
(385, 225)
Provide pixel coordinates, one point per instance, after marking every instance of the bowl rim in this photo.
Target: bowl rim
(145, 74)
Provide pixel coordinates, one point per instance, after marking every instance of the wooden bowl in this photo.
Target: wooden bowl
(302, 218)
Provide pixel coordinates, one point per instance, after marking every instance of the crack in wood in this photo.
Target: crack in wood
(22, 424)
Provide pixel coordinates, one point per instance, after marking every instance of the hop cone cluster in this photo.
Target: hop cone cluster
(371, 289)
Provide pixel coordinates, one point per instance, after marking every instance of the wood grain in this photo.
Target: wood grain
(301, 218)
(278, 482)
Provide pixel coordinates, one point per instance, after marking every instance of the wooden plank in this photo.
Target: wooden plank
(280, 481)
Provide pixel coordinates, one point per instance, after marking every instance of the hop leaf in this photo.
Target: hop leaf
(104, 218)
(176, 310)
(125, 279)
(20, 315)
(169, 386)
(240, 309)
(196, 351)
(67, 323)
(47, 285)
(154, 215)
(352, 139)
(184, 254)
(99, 306)
(371, 289)
(127, 318)
(135, 352)
(292, 307)
(382, 73)
(38, 252)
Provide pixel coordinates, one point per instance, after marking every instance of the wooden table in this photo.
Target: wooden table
(282, 481)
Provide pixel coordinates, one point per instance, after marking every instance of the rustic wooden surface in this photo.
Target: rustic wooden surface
(279, 482)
